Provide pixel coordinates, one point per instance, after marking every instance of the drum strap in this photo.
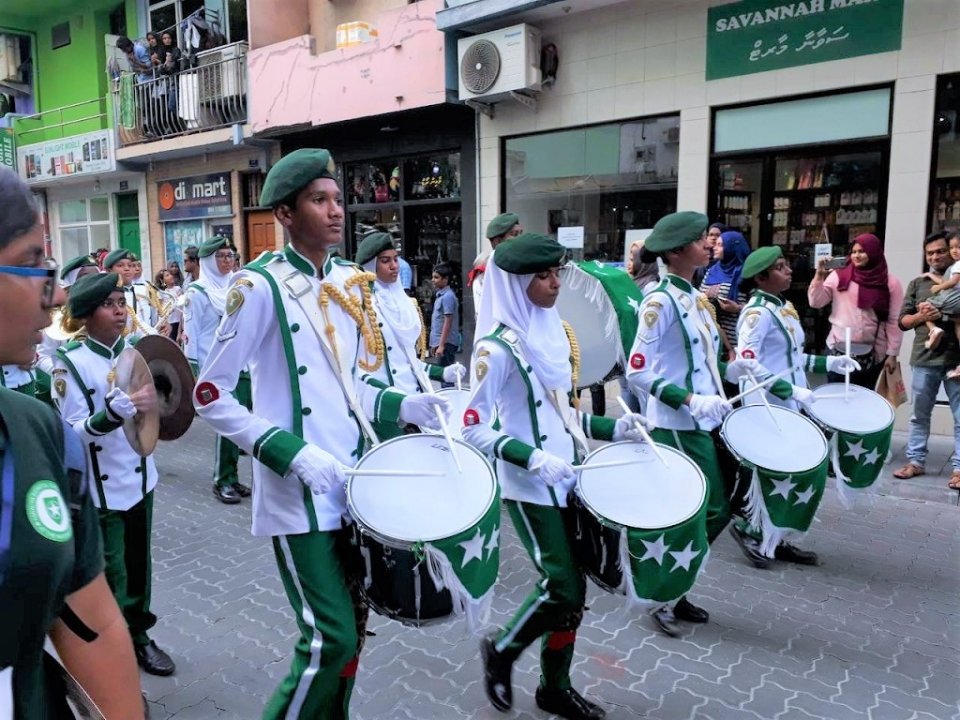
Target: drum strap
(710, 349)
(559, 401)
(298, 287)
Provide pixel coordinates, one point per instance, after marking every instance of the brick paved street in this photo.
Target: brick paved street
(871, 634)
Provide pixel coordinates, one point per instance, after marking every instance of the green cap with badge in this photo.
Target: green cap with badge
(759, 260)
(676, 230)
(212, 245)
(501, 225)
(528, 253)
(76, 263)
(294, 172)
(372, 245)
(116, 256)
(89, 292)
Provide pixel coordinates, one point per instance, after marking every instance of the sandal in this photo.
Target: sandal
(954, 483)
(911, 470)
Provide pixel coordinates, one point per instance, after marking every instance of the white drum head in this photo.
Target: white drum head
(862, 412)
(459, 402)
(410, 509)
(648, 496)
(589, 312)
(797, 445)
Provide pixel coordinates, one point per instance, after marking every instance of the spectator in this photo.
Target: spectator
(722, 284)
(445, 321)
(866, 299)
(191, 264)
(174, 267)
(644, 274)
(168, 282)
(406, 273)
(138, 55)
(930, 366)
(713, 237)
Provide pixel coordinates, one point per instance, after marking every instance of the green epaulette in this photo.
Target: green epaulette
(72, 345)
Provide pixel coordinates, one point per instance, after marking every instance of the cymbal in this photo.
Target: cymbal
(133, 374)
(174, 382)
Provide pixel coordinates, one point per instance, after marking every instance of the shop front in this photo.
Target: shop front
(944, 209)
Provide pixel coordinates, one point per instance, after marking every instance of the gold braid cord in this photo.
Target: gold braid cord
(362, 312)
(574, 360)
(137, 324)
(422, 350)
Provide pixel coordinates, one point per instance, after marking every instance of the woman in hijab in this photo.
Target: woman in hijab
(722, 284)
(867, 299)
(644, 274)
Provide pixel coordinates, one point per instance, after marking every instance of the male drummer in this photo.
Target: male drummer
(769, 330)
(122, 481)
(502, 227)
(676, 360)
(141, 320)
(523, 379)
(290, 316)
(400, 326)
(204, 306)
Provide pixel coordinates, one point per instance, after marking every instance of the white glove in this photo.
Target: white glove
(549, 468)
(626, 428)
(841, 364)
(317, 469)
(742, 369)
(452, 372)
(709, 409)
(802, 395)
(419, 410)
(120, 405)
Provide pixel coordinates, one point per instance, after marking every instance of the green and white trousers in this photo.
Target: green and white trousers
(227, 454)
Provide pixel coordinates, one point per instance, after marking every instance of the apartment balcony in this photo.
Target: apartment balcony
(62, 122)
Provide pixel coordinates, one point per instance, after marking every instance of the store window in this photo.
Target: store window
(945, 195)
(605, 179)
(84, 226)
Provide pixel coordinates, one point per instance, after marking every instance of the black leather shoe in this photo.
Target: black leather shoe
(791, 553)
(226, 494)
(242, 490)
(496, 675)
(153, 660)
(568, 704)
(686, 610)
(146, 707)
(750, 547)
(666, 621)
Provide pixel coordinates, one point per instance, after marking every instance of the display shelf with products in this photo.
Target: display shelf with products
(946, 203)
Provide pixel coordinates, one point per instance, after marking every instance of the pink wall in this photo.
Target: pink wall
(403, 69)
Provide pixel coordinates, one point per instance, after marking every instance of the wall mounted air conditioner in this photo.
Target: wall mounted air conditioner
(495, 64)
(10, 58)
(221, 71)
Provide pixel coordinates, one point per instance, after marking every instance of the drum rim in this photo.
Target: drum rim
(775, 408)
(823, 423)
(367, 529)
(612, 523)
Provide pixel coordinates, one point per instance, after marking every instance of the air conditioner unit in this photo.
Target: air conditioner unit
(10, 58)
(221, 71)
(495, 64)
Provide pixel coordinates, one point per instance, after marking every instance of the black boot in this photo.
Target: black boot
(686, 610)
(791, 553)
(226, 494)
(496, 675)
(568, 704)
(666, 621)
(750, 547)
(153, 660)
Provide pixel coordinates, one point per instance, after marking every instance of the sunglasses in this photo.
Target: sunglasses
(47, 270)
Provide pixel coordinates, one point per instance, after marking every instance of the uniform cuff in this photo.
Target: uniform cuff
(782, 389)
(276, 449)
(435, 372)
(599, 427)
(514, 452)
(671, 395)
(102, 423)
(386, 408)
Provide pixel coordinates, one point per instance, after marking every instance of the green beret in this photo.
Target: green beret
(759, 260)
(501, 225)
(116, 256)
(294, 172)
(90, 291)
(528, 253)
(75, 264)
(372, 245)
(212, 245)
(675, 231)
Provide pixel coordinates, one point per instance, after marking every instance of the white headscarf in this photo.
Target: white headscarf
(396, 308)
(542, 337)
(214, 283)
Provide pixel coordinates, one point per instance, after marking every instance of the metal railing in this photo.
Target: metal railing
(211, 95)
(61, 122)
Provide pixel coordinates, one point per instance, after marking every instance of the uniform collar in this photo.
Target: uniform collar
(767, 297)
(679, 282)
(102, 350)
(306, 266)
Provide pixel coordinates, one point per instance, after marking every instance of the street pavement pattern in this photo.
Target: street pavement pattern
(872, 633)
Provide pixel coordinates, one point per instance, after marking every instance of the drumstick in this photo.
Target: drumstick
(608, 464)
(459, 383)
(643, 431)
(428, 388)
(390, 473)
(766, 402)
(846, 375)
(769, 381)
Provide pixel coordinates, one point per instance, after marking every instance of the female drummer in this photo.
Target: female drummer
(770, 332)
(401, 326)
(523, 378)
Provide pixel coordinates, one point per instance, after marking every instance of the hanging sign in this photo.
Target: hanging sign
(200, 196)
(754, 36)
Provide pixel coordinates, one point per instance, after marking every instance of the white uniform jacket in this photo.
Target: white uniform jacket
(200, 325)
(47, 351)
(296, 394)
(119, 477)
(14, 376)
(396, 370)
(506, 388)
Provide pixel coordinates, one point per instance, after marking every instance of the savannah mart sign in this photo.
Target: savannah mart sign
(758, 35)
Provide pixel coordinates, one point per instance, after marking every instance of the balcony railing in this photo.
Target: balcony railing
(61, 122)
(211, 95)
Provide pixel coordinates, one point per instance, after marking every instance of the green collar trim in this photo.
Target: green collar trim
(102, 350)
(767, 297)
(306, 266)
(679, 283)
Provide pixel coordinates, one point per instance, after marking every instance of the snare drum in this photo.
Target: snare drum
(641, 532)
(786, 456)
(430, 545)
(459, 402)
(860, 426)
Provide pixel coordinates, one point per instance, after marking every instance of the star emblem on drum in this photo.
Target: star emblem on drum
(494, 542)
(472, 549)
(634, 304)
(684, 557)
(783, 487)
(855, 449)
(804, 497)
(871, 457)
(655, 550)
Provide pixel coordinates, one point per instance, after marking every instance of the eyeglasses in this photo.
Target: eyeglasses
(225, 255)
(47, 270)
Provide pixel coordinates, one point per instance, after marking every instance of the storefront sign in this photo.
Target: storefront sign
(8, 153)
(570, 237)
(758, 35)
(200, 196)
(87, 154)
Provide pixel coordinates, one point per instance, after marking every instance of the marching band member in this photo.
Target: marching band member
(523, 378)
(400, 326)
(123, 482)
(205, 304)
(675, 359)
(502, 227)
(141, 316)
(301, 319)
(770, 332)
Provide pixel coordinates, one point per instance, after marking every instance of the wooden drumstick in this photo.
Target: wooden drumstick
(608, 464)
(846, 375)
(766, 402)
(390, 473)
(769, 381)
(643, 431)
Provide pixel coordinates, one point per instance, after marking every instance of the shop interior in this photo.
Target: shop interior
(945, 193)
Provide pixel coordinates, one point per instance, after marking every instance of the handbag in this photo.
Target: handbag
(890, 386)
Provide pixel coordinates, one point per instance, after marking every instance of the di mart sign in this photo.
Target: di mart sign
(196, 197)
(754, 36)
